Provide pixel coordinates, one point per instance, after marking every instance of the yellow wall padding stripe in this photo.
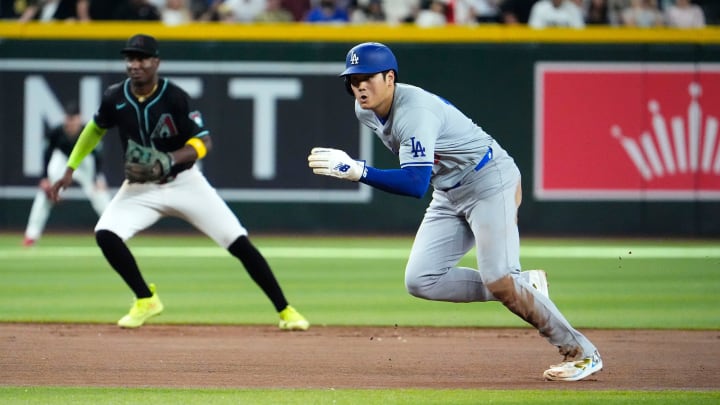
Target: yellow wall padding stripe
(301, 32)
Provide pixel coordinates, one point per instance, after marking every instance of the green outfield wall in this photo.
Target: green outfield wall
(614, 130)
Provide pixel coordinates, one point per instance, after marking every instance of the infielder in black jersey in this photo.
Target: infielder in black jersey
(162, 137)
(59, 142)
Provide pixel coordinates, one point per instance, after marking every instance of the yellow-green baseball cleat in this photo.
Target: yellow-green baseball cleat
(142, 310)
(291, 319)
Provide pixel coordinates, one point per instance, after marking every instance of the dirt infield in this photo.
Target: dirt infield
(343, 357)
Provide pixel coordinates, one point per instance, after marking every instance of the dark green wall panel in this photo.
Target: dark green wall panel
(492, 83)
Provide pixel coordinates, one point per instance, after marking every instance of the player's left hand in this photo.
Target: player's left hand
(335, 163)
(146, 165)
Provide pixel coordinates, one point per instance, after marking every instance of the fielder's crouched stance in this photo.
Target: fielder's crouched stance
(162, 138)
(475, 201)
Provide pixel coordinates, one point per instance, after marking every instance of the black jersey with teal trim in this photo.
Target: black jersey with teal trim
(164, 121)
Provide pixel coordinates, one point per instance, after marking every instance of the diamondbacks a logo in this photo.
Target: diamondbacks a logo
(354, 59)
(666, 149)
(627, 131)
(165, 127)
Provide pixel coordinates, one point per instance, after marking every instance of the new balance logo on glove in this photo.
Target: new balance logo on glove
(342, 167)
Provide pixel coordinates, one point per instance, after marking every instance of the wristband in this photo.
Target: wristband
(199, 147)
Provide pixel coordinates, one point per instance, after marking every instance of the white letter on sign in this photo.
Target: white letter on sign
(264, 93)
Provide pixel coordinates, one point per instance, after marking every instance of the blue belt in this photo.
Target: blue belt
(485, 159)
(488, 157)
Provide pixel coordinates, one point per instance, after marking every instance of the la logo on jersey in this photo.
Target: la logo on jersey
(417, 149)
(627, 132)
(354, 59)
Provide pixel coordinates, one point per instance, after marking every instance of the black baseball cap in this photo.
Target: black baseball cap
(71, 108)
(142, 44)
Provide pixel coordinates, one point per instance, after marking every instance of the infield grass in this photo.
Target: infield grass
(654, 284)
(597, 284)
(109, 396)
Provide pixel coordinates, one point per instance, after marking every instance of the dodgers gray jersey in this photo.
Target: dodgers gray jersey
(424, 129)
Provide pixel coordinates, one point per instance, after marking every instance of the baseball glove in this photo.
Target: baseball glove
(146, 165)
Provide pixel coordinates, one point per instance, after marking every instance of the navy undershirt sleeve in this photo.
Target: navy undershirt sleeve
(411, 181)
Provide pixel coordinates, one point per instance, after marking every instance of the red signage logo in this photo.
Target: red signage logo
(627, 131)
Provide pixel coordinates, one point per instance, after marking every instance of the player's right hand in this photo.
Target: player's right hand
(335, 163)
(63, 183)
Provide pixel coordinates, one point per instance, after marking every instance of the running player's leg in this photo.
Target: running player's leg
(134, 208)
(442, 239)
(199, 204)
(493, 221)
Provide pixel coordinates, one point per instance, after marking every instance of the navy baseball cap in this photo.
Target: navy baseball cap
(142, 44)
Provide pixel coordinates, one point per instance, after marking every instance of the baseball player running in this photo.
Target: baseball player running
(59, 142)
(162, 137)
(475, 201)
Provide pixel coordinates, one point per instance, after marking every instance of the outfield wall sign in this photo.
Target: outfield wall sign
(627, 131)
(264, 118)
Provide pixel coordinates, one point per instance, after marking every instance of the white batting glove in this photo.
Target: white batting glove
(335, 163)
